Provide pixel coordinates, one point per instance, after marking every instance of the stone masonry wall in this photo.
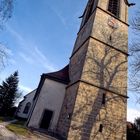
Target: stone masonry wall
(102, 31)
(123, 9)
(98, 71)
(105, 67)
(67, 110)
(89, 113)
(77, 63)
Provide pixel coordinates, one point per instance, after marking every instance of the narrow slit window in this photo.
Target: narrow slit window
(69, 116)
(104, 99)
(101, 128)
(114, 7)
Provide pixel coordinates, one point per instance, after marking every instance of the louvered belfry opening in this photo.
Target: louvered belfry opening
(114, 7)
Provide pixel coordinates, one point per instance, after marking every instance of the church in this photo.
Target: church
(87, 99)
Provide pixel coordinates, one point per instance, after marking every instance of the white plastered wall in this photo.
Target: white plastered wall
(28, 98)
(51, 98)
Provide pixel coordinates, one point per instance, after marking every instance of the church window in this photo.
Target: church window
(101, 128)
(114, 7)
(27, 107)
(69, 116)
(104, 99)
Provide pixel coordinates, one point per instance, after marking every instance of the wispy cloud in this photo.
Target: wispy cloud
(31, 54)
(25, 89)
(10, 54)
(26, 58)
(59, 15)
(12, 61)
(16, 35)
(43, 60)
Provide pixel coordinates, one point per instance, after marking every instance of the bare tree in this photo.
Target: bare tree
(135, 54)
(3, 56)
(6, 7)
(137, 123)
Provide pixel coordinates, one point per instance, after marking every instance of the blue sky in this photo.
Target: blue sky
(40, 37)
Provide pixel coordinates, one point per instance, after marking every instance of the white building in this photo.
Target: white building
(48, 100)
(25, 105)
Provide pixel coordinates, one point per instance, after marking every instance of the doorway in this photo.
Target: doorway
(46, 120)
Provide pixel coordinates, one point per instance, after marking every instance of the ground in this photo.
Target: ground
(15, 130)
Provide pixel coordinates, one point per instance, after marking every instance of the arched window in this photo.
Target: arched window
(114, 7)
(27, 107)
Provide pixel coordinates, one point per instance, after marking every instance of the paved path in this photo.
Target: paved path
(8, 122)
(5, 134)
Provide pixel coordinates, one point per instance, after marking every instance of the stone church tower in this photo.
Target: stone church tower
(96, 98)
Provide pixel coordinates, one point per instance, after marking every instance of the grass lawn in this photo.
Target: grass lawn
(18, 128)
(1, 119)
(4, 119)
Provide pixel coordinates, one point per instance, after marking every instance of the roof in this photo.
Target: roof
(61, 76)
(30, 92)
(27, 95)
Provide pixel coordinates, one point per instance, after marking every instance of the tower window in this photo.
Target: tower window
(69, 116)
(101, 128)
(104, 99)
(114, 7)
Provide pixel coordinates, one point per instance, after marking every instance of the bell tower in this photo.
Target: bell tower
(95, 103)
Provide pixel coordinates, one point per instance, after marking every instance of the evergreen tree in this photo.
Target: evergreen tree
(8, 93)
(137, 123)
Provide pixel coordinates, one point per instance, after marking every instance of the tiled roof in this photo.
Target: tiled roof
(59, 76)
